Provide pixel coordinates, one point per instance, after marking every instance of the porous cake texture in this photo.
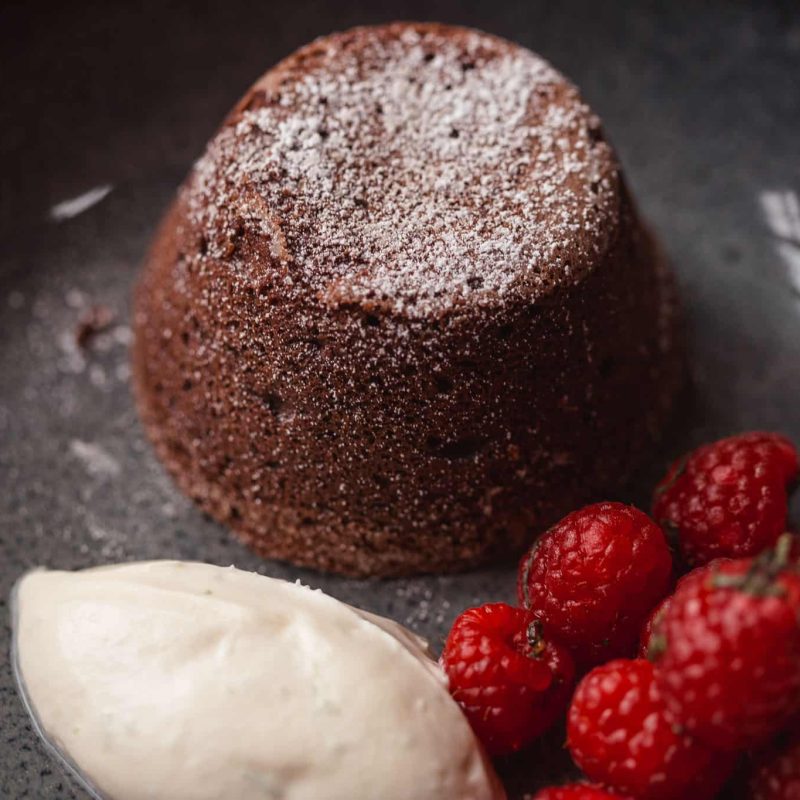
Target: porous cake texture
(402, 314)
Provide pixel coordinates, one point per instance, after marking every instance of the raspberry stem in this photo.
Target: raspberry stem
(658, 644)
(535, 639)
(783, 550)
(679, 469)
(759, 580)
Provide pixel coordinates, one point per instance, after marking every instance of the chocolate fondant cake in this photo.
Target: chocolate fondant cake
(402, 314)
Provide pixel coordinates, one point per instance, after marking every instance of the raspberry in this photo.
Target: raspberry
(594, 577)
(510, 679)
(728, 498)
(651, 629)
(577, 791)
(776, 776)
(620, 734)
(730, 666)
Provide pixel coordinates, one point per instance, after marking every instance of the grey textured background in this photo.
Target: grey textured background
(702, 101)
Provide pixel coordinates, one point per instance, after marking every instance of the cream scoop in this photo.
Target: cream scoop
(174, 680)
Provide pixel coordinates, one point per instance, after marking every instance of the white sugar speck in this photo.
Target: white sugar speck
(75, 298)
(122, 335)
(97, 461)
(110, 543)
(67, 209)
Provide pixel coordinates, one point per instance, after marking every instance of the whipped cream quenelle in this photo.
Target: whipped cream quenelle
(183, 681)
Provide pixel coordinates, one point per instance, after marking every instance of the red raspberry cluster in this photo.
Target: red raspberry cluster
(718, 667)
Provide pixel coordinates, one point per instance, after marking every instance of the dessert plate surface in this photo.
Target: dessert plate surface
(103, 112)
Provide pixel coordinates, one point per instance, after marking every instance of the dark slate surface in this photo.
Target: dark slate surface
(702, 104)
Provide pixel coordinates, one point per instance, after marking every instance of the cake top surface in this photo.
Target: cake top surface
(413, 168)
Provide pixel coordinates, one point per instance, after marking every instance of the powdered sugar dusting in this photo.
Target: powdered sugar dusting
(413, 172)
(67, 209)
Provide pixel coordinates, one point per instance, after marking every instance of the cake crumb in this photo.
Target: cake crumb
(93, 321)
